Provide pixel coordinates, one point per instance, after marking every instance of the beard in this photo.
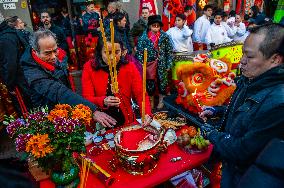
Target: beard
(46, 22)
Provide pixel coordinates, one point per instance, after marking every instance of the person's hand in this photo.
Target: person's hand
(207, 111)
(111, 101)
(206, 129)
(147, 120)
(237, 24)
(185, 23)
(104, 119)
(230, 24)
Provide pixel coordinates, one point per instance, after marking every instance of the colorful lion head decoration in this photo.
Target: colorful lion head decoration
(206, 81)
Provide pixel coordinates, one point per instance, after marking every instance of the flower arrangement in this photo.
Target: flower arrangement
(51, 138)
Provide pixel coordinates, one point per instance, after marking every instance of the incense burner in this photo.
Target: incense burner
(144, 157)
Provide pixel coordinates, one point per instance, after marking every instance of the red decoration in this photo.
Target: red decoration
(151, 4)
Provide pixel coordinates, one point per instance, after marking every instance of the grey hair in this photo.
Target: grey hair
(1, 18)
(119, 5)
(113, 4)
(40, 34)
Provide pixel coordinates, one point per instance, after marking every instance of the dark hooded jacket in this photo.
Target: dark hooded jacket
(12, 45)
(10, 53)
(253, 117)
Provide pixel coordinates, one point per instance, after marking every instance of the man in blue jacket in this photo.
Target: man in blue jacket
(45, 71)
(255, 113)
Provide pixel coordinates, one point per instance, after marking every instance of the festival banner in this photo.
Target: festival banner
(151, 4)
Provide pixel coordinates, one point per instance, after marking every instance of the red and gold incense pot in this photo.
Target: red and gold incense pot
(142, 161)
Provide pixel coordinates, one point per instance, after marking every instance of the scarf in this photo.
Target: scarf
(154, 37)
(48, 66)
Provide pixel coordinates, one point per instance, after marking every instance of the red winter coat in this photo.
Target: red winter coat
(94, 88)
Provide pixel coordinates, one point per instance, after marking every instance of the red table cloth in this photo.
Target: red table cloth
(164, 170)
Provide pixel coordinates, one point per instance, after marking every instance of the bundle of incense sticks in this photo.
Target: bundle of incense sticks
(100, 173)
(84, 173)
(110, 61)
(144, 85)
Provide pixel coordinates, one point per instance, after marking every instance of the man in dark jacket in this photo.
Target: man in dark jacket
(12, 171)
(45, 71)
(60, 35)
(255, 113)
(141, 25)
(121, 32)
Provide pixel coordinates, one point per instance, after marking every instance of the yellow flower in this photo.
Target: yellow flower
(39, 145)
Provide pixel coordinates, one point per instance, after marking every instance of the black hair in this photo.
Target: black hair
(232, 13)
(246, 17)
(207, 7)
(99, 63)
(224, 14)
(218, 13)
(118, 16)
(12, 21)
(182, 16)
(44, 11)
(255, 11)
(187, 8)
(145, 8)
(88, 3)
(273, 42)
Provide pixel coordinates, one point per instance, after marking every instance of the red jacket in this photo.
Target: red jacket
(94, 88)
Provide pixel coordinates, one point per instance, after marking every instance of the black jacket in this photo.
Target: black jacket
(253, 117)
(11, 49)
(268, 169)
(50, 87)
(138, 28)
(61, 37)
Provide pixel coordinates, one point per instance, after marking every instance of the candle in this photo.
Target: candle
(144, 84)
(195, 101)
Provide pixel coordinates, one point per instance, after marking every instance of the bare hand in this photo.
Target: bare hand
(207, 111)
(112, 101)
(147, 121)
(104, 119)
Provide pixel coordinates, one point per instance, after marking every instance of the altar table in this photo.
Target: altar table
(164, 170)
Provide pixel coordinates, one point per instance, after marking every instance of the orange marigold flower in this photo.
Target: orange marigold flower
(63, 107)
(82, 113)
(39, 145)
(57, 113)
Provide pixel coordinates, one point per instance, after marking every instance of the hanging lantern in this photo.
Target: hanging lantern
(227, 6)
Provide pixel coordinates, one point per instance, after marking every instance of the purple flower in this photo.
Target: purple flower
(65, 125)
(14, 126)
(21, 141)
(38, 117)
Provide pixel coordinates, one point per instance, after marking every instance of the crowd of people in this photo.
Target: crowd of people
(34, 67)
